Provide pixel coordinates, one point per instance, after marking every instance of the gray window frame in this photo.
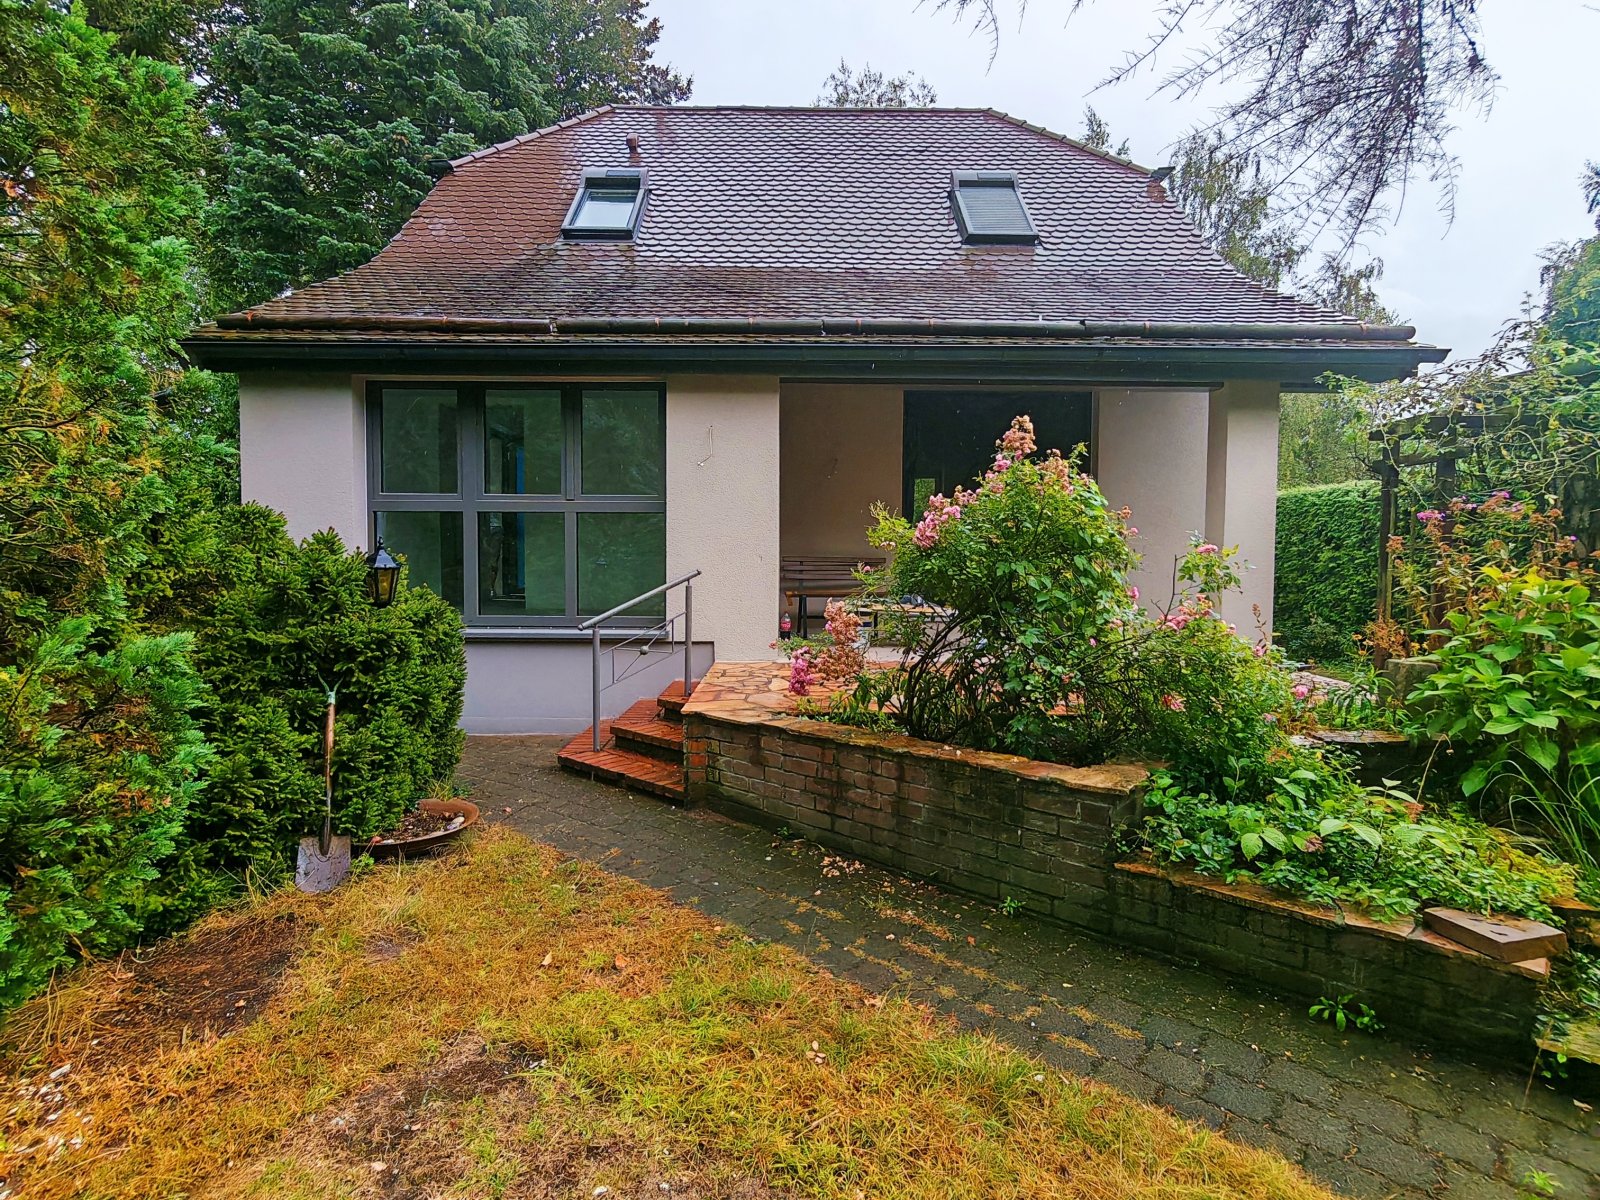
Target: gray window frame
(960, 179)
(470, 498)
(609, 178)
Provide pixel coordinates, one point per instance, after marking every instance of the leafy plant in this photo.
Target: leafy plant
(1518, 687)
(1342, 1011)
(1318, 835)
(1011, 906)
(1538, 1184)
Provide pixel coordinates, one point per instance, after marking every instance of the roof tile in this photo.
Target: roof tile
(796, 214)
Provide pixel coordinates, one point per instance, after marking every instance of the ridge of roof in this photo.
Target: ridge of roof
(799, 109)
(522, 138)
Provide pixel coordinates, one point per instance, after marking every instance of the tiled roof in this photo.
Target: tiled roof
(794, 214)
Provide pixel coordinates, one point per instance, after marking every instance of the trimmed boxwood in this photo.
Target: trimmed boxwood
(1327, 568)
(293, 621)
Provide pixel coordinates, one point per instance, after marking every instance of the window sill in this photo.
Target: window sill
(532, 633)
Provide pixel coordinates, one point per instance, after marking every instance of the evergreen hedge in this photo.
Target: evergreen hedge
(1327, 568)
(295, 622)
(143, 777)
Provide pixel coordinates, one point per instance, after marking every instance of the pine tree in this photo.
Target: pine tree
(337, 115)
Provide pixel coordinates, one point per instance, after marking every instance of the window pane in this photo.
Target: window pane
(522, 442)
(624, 444)
(619, 556)
(522, 564)
(995, 209)
(430, 543)
(605, 208)
(417, 439)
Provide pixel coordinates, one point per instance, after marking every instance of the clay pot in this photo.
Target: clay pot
(428, 842)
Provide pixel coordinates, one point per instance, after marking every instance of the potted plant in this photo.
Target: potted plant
(438, 819)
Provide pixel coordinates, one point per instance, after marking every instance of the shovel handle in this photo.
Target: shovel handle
(327, 778)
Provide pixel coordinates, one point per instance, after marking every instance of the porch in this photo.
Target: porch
(1184, 461)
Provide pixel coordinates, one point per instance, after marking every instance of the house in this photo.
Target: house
(655, 340)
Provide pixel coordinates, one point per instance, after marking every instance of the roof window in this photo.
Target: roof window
(607, 205)
(989, 207)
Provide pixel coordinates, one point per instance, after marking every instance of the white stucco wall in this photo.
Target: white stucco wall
(302, 451)
(1150, 454)
(841, 451)
(1242, 492)
(723, 506)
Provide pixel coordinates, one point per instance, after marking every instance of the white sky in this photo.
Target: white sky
(1518, 187)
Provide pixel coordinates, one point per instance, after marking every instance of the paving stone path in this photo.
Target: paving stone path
(1366, 1115)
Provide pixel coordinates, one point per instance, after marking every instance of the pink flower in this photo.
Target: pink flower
(1017, 442)
(1208, 548)
(1302, 690)
(1133, 531)
(1133, 593)
(1172, 701)
(939, 512)
(1270, 718)
(1428, 515)
(801, 674)
(1001, 462)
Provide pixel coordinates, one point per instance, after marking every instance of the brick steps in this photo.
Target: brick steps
(672, 699)
(644, 730)
(641, 749)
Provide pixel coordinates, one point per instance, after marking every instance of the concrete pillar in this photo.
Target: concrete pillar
(723, 507)
(303, 451)
(1242, 492)
(1151, 455)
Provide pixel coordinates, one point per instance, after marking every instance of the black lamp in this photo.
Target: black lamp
(383, 576)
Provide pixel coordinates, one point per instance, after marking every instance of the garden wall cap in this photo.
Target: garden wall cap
(796, 222)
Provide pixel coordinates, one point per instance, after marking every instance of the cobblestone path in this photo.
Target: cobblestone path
(1366, 1115)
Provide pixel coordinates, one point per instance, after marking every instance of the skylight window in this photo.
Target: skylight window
(607, 205)
(989, 207)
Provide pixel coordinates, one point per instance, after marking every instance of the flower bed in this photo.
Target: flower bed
(1045, 839)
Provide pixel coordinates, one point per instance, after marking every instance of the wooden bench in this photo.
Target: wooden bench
(827, 577)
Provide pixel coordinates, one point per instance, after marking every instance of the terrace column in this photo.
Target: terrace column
(1242, 491)
(722, 507)
(303, 450)
(1151, 455)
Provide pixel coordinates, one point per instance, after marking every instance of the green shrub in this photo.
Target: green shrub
(1327, 569)
(1041, 647)
(293, 622)
(1517, 693)
(99, 762)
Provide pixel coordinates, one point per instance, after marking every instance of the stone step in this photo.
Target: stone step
(643, 729)
(626, 768)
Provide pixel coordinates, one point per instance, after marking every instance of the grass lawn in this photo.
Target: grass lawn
(504, 1022)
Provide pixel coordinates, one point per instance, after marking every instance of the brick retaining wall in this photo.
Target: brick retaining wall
(991, 825)
(1414, 979)
(997, 826)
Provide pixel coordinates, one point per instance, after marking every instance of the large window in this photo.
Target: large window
(523, 504)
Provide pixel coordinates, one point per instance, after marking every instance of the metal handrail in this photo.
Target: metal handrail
(639, 599)
(592, 625)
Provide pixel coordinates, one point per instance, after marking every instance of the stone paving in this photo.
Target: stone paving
(1366, 1115)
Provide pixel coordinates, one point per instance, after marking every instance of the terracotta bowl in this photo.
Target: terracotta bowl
(428, 843)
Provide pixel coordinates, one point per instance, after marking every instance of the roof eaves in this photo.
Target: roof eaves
(522, 138)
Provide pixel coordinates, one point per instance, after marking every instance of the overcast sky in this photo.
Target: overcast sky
(1457, 283)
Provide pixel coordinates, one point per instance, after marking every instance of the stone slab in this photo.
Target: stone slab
(1508, 939)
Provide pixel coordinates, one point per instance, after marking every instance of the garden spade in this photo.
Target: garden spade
(324, 860)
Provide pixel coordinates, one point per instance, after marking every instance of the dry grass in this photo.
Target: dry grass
(417, 1047)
